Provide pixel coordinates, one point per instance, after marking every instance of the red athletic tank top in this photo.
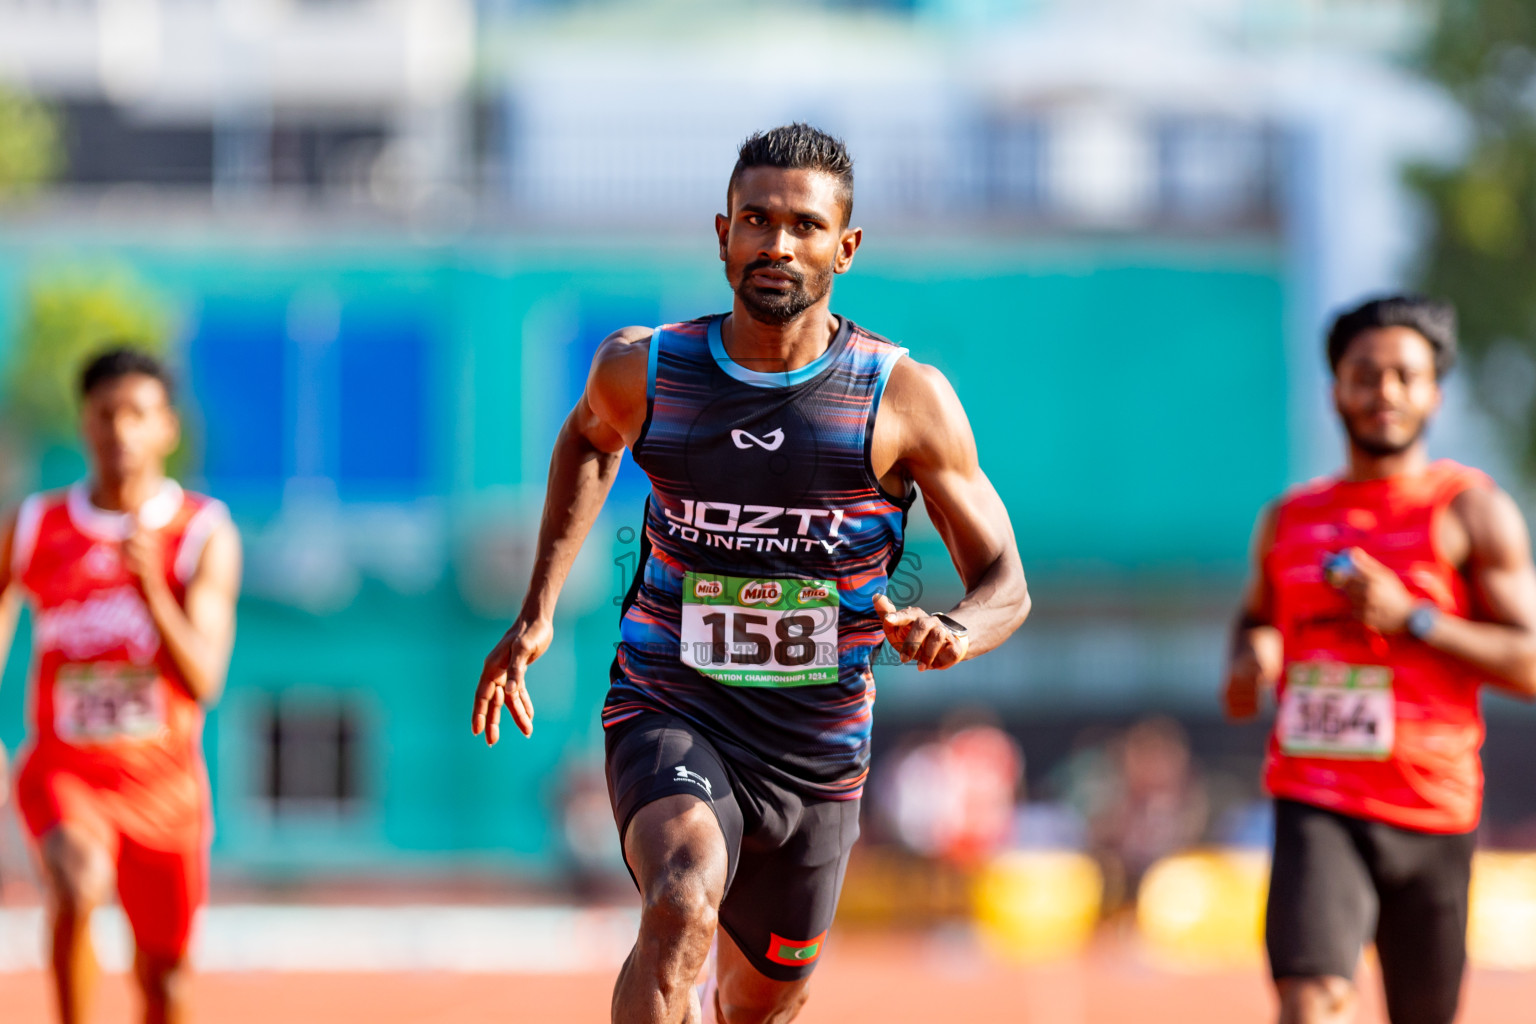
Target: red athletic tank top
(107, 696)
(1377, 727)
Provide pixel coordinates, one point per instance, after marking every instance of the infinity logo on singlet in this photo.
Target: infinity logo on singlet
(769, 441)
(724, 524)
(100, 623)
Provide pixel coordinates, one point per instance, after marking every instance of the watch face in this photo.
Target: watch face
(953, 626)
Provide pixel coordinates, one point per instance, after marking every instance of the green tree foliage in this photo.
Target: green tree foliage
(69, 315)
(30, 153)
(1480, 251)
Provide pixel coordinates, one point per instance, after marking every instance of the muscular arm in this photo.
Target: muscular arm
(199, 633)
(585, 461)
(1255, 655)
(922, 431)
(586, 457)
(1502, 639)
(10, 599)
(10, 608)
(10, 612)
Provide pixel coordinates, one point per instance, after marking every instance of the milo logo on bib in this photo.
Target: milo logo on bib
(760, 592)
(760, 632)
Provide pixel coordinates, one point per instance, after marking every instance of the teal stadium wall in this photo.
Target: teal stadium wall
(1128, 398)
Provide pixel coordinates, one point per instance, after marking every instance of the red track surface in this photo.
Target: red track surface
(863, 979)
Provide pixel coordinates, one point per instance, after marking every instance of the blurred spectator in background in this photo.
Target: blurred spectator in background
(953, 797)
(593, 864)
(1141, 799)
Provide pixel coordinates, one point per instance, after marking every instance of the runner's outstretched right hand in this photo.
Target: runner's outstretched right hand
(503, 682)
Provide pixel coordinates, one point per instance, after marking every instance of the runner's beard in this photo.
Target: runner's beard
(1380, 448)
(780, 307)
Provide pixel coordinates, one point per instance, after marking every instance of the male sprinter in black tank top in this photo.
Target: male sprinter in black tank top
(784, 446)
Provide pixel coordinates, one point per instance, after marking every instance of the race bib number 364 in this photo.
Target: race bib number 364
(1331, 709)
(104, 702)
(744, 631)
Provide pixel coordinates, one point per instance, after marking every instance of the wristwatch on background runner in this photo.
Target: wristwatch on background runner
(1422, 619)
(953, 625)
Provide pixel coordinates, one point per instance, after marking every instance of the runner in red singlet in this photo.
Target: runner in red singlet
(132, 581)
(1381, 601)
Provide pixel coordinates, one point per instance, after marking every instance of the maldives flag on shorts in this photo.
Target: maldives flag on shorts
(794, 954)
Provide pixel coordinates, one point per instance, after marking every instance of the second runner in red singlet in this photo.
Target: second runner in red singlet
(132, 582)
(1373, 725)
(1382, 600)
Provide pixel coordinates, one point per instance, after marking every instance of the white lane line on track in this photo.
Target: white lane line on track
(473, 940)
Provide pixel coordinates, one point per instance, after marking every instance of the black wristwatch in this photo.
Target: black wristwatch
(951, 624)
(1422, 619)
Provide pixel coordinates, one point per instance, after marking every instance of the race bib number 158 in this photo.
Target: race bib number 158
(742, 631)
(1331, 709)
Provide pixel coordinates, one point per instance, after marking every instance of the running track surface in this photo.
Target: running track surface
(875, 979)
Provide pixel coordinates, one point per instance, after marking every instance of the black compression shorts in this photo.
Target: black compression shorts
(1336, 880)
(787, 853)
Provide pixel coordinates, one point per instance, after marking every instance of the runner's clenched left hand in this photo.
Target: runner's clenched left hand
(143, 556)
(920, 637)
(1376, 594)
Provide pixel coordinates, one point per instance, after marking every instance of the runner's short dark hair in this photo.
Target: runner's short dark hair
(797, 147)
(123, 361)
(1433, 319)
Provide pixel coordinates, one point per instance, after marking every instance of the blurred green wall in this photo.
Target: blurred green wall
(1128, 398)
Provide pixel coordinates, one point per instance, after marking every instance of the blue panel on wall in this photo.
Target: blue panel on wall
(381, 411)
(237, 378)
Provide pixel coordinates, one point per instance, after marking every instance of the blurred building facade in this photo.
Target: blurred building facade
(359, 102)
(394, 232)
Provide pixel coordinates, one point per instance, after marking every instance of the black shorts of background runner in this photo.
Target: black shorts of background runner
(787, 853)
(1337, 881)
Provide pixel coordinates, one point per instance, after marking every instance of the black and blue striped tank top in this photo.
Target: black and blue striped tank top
(766, 537)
